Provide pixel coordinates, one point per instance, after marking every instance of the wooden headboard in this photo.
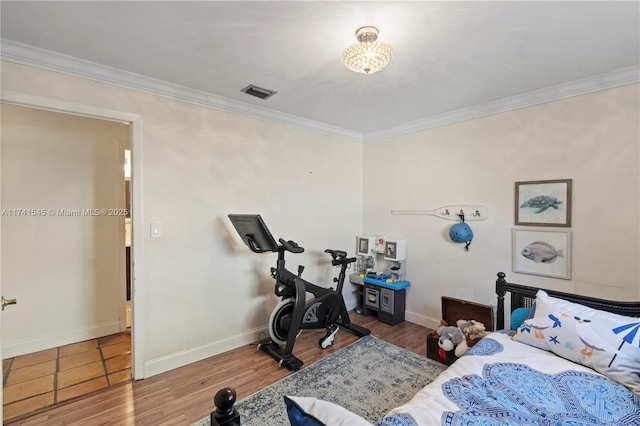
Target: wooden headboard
(523, 297)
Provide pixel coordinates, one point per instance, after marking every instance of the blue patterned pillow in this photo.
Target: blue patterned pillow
(304, 411)
(607, 342)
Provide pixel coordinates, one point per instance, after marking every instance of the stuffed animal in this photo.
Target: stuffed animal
(473, 331)
(443, 323)
(451, 338)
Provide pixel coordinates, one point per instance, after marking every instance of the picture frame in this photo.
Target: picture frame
(543, 203)
(390, 250)
(363, 245)
(545, 252)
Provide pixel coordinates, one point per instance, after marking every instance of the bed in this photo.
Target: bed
(568, 360)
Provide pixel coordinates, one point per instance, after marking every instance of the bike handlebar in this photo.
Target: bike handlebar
(291, 246)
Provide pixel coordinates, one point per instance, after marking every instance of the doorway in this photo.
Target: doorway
(89, 303)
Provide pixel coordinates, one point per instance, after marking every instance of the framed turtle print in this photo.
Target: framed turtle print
(545, 252)
(543, 203)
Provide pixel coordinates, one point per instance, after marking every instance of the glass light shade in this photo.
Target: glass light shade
(367, 57)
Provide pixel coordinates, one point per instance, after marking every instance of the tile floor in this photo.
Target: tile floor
(40, 380)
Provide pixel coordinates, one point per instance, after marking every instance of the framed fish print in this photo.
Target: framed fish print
(543, 203)
(542, 252)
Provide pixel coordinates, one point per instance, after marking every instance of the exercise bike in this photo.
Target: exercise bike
(326, 309)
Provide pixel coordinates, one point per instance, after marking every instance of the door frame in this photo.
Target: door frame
(137, 238)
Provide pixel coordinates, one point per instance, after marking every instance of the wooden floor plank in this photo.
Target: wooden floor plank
(185, 395)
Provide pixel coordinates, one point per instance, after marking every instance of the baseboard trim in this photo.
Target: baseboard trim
(13, 349)
(180, 359)
(188, 356)
(423, 320)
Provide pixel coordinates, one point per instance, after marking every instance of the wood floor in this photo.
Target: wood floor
(185, 395)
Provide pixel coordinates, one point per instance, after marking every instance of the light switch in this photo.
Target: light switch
(156, 230)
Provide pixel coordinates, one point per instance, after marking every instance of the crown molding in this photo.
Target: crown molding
(44, 59)
(583, 86)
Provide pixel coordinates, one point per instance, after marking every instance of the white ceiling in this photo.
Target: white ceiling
(449, 56)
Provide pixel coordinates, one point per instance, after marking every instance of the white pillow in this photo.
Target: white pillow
(597, 339)
(304, 411)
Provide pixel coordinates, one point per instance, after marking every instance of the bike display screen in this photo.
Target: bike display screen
(254, 232)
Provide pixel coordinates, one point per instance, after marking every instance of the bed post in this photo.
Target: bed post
(225, 414)
(500, 291)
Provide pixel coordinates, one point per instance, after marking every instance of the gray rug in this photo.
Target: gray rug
(368, 377)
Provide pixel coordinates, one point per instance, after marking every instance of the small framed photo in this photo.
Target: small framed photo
(363, 246)
(544, 252)
(390, 251)
(543, 203)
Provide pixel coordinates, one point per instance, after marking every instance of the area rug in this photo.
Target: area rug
(368, 377)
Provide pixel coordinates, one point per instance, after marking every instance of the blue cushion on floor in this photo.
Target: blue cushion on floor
(304, 411)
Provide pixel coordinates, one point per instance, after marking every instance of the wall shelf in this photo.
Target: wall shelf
(471, 212)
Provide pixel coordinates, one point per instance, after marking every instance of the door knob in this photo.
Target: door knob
(4, 302)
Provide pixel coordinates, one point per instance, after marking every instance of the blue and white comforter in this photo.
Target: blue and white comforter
(504, 382)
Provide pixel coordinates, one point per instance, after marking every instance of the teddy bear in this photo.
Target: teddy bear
(451, 338)
(473, 331)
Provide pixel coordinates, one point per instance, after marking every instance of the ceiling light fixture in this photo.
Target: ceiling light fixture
(368, 55)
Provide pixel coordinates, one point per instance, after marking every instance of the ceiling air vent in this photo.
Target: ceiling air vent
(258, 92)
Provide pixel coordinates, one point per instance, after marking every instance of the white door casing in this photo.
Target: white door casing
(137, 267)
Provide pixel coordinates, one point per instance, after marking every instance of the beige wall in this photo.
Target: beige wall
(201, 291)
(66, 271)
(593, 139)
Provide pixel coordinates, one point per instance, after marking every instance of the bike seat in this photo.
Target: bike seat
(291, 246)
(336, 253)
